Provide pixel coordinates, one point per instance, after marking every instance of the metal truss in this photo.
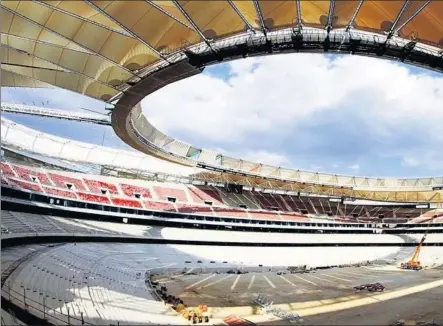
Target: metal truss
(55, 113)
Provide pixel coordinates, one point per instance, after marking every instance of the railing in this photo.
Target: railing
(40, 309)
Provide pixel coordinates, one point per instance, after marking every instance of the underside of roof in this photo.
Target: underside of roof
(100, 48)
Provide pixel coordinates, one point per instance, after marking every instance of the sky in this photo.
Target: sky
(330, 113)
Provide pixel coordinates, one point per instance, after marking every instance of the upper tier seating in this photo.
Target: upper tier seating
(202, 195)
(32, 175)
(60, 192)
(165, 193)
(190, 199)
(66, 182)
(101, 187)
(135, 191)
(6, 169)
(20, 222)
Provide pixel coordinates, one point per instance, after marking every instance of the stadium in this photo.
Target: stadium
(167, 232)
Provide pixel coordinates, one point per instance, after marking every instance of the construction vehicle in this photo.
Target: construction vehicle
(414, 263)
(196, 315)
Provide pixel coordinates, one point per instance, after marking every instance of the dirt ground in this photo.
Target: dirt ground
(326, 286)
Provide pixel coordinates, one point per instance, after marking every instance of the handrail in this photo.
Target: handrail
(31, 305)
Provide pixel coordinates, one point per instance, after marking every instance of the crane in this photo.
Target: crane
(414, 263)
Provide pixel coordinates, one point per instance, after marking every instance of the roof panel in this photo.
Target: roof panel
(66, 80)
(9, 79)
(14, 57)
(114, 46)
(150, 24)
(171, 9)
(343, 12)
(246, 7)
(278, 14)
(378, 16)
(427, 26)
(214, 18)
(82, 9)
(88, 64)
(315, 13)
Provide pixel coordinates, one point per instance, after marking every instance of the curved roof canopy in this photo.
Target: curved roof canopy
(100, 48)
(124, 50)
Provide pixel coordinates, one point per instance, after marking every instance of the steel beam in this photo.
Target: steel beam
(80, 17)
(66, 38)
(193, 24)
(354, 16)
(394, 23)
(28, 77)
(131, 33)
(260, 17)
(55, 113)
(42, 42)
(156, 6)
(412, 17)
(241, 16)
(299, 19)
(56, 64)
(330, 15)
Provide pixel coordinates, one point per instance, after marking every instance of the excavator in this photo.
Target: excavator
(414, 263)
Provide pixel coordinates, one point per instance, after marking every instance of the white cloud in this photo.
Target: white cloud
(265, 157)
(300, 110)
(354, 167)
(273, 97)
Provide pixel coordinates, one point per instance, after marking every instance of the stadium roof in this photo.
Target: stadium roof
(121, 51)
(100, 48)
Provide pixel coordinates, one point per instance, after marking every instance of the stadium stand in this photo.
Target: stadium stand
(21, 222)
(192, 199)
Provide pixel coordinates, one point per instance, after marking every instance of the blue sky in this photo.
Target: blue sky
(340, 114)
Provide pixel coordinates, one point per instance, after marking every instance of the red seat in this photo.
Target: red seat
(229, 212)
(28, 175)
(200, 195)
(96, 186)
(126, 202)
(61, 181)
(159, 206)
(131, 191)
(6, 169)
(93, 198)
(26, 185)
(194, 209)
(59, 192)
